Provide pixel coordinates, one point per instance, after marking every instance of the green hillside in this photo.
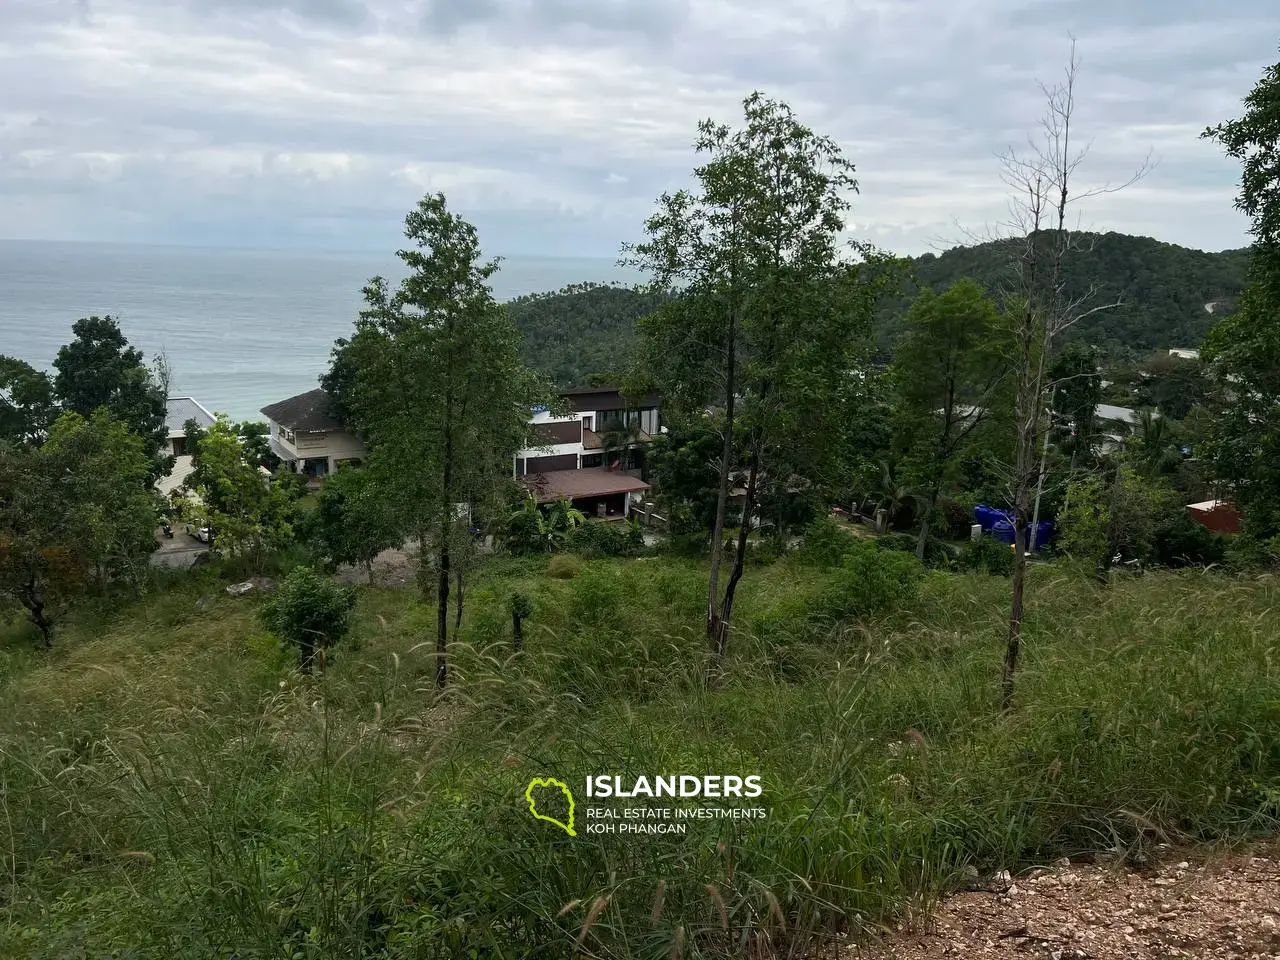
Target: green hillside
(588, 329)
(581, 330)
(1162, 288)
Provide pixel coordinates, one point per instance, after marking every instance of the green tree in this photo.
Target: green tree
(354, 519)
(434, 383)
(99, 369)
(1077, 390)
(106, 492)
(255, 437)
(1171, 384)
(1113, 517)
(72, 509)
(683, 462)
(948, 371)
(248, 514)
(27, 404)
(309, 611)
(765, 318)
(1242, 352)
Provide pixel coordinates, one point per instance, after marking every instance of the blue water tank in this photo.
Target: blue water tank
(988, 517)
(1002, 530)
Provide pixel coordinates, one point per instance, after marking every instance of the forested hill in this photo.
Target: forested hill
(1163, 288)
(581, 330)
(588, 329)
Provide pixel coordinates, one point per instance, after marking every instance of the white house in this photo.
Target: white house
(307, 435)
(178, 411)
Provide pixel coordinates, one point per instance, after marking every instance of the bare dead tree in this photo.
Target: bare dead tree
(1040, 179)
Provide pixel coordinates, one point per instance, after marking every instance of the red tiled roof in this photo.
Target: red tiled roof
(574, 484)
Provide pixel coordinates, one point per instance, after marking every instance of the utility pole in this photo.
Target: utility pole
(1044, 456)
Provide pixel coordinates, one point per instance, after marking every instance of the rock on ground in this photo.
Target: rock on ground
(1190, 906)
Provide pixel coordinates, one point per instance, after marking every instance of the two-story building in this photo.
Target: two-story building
(308, 436)
(592, 455)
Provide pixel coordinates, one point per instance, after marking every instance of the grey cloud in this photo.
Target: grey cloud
(447, 16)
(558, 21)
(348, 13)
(556, 122)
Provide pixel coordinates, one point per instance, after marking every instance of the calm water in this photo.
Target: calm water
(241, 329)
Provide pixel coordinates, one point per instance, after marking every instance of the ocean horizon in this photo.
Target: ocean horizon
(240, 328)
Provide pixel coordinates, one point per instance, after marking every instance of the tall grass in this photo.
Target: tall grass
(170, 788)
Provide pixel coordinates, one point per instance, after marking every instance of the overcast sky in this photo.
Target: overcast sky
(553, 124)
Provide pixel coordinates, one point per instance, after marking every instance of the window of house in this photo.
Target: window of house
(592, 460)
(588, 422)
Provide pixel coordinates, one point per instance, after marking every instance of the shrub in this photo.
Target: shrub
(868, 580)
(596, 540)
(766, 551)
(599, 596)
(1247, 552)
(1179, 542)
(987, 555)
(936, 554)
(309, 611)
(956, 517)
(689, 545)
(826, 543)
(563, 566)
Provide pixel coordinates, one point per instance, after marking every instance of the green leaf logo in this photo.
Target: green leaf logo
(550, 782)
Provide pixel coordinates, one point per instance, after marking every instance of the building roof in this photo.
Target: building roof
(575, 484)
(1208, 506)
(591, 399)
(1123, 414)
(178, 410)
(310, 412)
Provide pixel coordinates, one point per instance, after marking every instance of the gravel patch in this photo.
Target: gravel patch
(1191, 906)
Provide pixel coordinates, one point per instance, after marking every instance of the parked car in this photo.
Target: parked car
(200, 532)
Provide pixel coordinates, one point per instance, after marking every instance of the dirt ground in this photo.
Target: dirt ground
(391, 568)
(1190, 905)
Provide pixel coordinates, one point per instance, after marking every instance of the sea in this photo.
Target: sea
(240, 328)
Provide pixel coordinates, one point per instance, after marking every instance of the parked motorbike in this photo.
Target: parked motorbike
(167, 530)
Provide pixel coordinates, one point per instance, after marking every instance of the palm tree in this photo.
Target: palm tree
(893, 495)
(617, 435)
(565, 517)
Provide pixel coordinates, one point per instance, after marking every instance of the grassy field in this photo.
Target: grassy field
(171, 788)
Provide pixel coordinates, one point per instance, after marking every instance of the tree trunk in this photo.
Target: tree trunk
(368, 567)
(457, 610)
(36, 612)
(923, 540)
(739, 557)
(442, 613)
(1013, 646)
(517, 631)
(722, 492)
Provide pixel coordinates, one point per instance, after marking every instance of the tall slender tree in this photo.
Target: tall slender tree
(948, 370)
(1242, 352)
(432, 379)
(1043, 184)
(766, 316)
